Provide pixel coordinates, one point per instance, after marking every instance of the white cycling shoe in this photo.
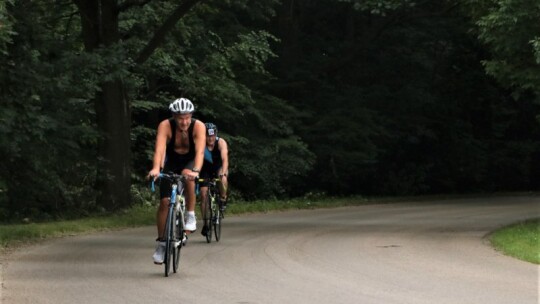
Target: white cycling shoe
(159, 254)
(191, 223)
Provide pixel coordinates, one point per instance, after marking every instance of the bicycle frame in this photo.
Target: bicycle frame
(174, 227)
(177, 203)
(212, 212)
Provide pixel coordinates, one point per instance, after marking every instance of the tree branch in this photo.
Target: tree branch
(89, 11)
(159, 35)
(130, 3)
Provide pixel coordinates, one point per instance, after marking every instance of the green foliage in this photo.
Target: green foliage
(221, 67)
(6, 25)
(536, 47)
(510, 28)
(380, 7)
(46, 121)
(252, 51)
(50, 84)
(311, 96)
(400, 102)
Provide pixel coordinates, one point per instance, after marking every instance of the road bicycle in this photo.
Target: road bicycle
(213, 207)
(175, 235)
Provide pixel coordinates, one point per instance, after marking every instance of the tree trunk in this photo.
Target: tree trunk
(288, 26)
(113, 116)
(99, 21)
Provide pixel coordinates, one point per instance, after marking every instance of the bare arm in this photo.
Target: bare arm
(224, 156)
(199, 137)
(163, 133)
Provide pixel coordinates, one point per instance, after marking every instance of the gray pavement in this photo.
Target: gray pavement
(409, 252)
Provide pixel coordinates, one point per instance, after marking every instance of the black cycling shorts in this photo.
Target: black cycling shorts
(209, 170)
(165, 185)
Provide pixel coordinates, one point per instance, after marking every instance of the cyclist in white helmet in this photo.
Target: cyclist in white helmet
(180, 144)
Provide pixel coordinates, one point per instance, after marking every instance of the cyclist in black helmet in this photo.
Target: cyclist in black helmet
(180, 144)
(216, 164)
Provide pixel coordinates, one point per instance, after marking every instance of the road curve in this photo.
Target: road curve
(408, 252)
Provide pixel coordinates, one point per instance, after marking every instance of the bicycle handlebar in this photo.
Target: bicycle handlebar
(209, 179)
(173, 177)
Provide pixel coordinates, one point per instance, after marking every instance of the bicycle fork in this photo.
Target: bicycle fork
(180, 220)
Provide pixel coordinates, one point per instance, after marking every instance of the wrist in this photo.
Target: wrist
(195, 169)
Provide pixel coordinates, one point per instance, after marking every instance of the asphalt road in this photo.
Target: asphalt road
(413, 252)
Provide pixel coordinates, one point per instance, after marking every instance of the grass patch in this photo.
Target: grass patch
(14, 234)
(521, 240)
(145, 214)
(311, 201)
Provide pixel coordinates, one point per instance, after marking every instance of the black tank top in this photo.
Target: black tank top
(216, 155)
(175, 161)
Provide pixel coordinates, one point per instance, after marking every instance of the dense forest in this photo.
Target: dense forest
(334, 97)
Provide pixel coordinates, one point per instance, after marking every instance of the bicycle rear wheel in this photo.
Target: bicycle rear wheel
(207, 218)
(217, 222)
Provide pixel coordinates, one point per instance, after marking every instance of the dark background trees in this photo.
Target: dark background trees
(379, 97)
(399, 100)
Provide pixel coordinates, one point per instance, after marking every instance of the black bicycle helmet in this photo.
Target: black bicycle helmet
(211, 129)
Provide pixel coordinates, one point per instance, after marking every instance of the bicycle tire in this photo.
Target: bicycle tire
(207, 218)
(178, 236)
(168, 243)
(217, 224)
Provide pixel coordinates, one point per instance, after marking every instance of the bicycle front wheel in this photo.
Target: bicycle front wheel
(168, 242)
(178, 237)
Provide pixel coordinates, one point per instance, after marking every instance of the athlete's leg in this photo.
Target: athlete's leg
(162, 216)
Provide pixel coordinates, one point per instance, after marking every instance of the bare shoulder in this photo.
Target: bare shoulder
(199, 126)
(164, 127)
(164, 122)
(222, 143)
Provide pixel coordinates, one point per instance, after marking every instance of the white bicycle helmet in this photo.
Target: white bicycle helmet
(182, 106)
